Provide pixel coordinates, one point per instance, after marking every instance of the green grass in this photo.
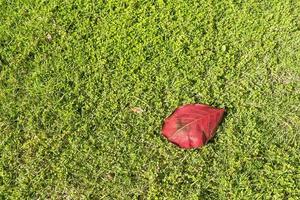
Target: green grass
(70, 73)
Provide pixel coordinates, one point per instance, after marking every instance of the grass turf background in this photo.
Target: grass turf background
(70, 72)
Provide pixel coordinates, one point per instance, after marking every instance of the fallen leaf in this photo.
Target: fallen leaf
(49, 37)
(110, 176)
(137, 110)
(192, 125)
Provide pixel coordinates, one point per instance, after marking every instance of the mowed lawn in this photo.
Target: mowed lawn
(85, 87)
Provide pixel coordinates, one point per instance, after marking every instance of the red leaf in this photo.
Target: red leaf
(192, 125)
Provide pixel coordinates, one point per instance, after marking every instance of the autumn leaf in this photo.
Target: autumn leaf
(137, 110)
(192, 125)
